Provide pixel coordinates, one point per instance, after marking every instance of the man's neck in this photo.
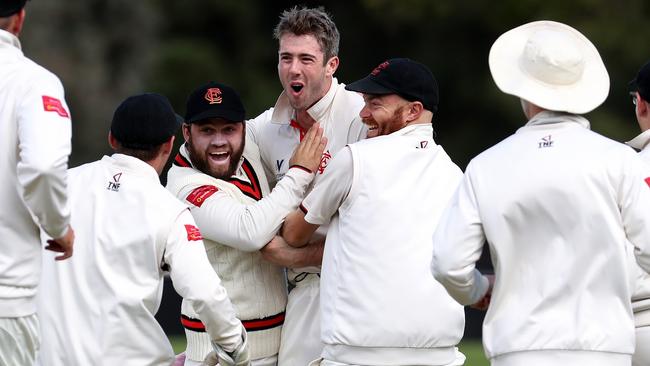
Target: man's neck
(304, 120)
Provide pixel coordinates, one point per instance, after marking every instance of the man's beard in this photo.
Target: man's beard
(200, 161)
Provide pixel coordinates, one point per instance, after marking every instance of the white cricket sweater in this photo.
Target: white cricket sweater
(35, 132)
(237, 218)
(557, 204)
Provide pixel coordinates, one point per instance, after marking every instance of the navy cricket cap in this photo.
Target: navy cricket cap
(641, 82)
(214, 100)
(407, 78)
(144, 121)
(11, 7)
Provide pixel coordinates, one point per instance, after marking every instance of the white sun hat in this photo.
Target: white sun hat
(551, 65)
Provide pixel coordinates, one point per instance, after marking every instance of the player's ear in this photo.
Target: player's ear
(112, 141)
(414, 111)
(331, 66)
(186, 131)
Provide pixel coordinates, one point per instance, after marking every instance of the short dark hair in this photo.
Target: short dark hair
(145, 153)
(313, 21)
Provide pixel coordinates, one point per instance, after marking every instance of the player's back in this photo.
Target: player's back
(550, 199)
(98, 307)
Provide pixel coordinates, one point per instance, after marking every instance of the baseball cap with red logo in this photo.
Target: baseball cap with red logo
(214, 100)
(11, 7)
(409, 79)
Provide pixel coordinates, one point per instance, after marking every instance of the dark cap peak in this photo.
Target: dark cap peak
(409, 79)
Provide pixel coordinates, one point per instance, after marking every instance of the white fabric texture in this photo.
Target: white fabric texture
(256, 287)
(35, 130)
(338, 114)
(557, 216)
(19, 340)
(98, 306)
(377, 250)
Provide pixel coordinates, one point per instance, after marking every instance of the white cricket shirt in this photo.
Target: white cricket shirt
(97, 308)
(378, 301)
(557, 204)
(35, 133)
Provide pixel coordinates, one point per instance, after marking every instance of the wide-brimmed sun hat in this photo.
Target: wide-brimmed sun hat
(550, 64)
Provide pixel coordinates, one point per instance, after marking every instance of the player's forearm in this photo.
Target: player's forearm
(290, 257)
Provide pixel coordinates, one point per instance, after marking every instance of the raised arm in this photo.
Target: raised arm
(250, 227)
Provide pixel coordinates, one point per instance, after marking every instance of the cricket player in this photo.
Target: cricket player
(384, 196)
(641, 291)
(557, 204)
(307, 60)
(220, 176)
(98, 308)
(35, 129)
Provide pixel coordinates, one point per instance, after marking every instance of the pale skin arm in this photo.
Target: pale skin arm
(296, 231)
(277, 251)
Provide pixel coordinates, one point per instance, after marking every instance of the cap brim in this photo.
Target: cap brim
(232, 116)
(368, 85)
(510, 78)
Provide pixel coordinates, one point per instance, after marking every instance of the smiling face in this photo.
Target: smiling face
(215, 146)
(304, 74)
(383, 114)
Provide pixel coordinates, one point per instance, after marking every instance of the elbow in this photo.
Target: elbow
(293, 239)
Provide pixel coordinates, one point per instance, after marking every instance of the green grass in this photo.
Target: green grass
(472, 349)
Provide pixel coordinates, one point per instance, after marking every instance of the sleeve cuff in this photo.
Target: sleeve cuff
(302, 168)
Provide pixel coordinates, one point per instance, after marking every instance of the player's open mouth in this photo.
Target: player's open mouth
(219, 157)
(297, 87)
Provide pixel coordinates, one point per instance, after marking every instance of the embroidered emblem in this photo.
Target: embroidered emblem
(115, 184)
(200, 194)
(54, 105)
(379, 67)
(647, 181)
(213, 96)
(193, 233)
(545, 142)
(324, 160)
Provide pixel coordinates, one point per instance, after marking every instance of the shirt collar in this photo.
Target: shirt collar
(134, 165)
(424, 129)
(641, 141)
(283, 112)
(9, 39)
(550, 117)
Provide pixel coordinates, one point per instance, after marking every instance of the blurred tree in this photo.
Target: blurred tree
(106, 50)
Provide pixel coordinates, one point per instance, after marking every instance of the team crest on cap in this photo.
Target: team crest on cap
(213, 96)
(380, 67)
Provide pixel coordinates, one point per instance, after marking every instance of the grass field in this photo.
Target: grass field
(472, 349)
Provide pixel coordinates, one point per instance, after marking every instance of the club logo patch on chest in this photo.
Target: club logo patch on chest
(324, 160)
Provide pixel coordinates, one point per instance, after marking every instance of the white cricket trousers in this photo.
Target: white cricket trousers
(300, 342)
(641, 355)
(18, 341)
(563, 358)
(266, 361)
(459, 361)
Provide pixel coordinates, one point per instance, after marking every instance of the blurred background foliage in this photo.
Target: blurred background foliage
(104, 51)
